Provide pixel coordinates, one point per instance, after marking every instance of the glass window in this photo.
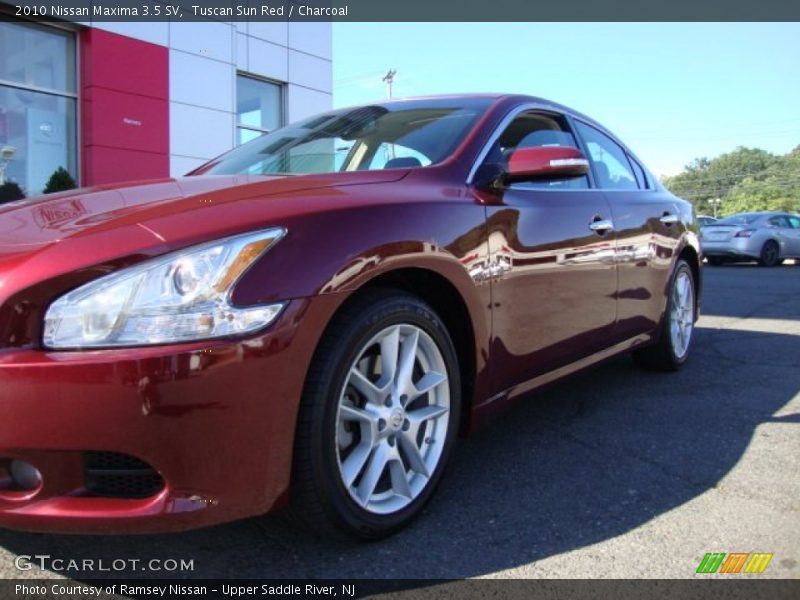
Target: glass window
(37, 56)
(421, 131)
(794, 222)
(531, 130)
(611, 167)
(779, 221)
(389, 156)
(38, 132)
(641, 177)
(258, 108)
(740, 219)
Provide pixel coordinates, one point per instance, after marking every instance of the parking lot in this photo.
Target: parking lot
(617, 473)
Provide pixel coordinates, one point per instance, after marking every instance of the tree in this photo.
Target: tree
(60, 181)
(746, 179)
(10, 191)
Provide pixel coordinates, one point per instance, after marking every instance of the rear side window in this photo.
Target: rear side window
(740, 219)
(779, 222)
(611, 167)
(794, 222)
(641, 177)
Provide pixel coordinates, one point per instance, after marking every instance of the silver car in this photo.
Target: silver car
(768, 237)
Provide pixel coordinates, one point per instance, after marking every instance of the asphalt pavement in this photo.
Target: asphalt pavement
(617, 473)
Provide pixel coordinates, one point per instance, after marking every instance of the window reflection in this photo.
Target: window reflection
(38, 104)
(258, 107)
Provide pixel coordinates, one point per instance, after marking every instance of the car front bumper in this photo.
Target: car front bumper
(215, 420)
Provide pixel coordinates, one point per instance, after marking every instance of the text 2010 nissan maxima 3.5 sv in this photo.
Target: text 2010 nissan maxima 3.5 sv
(313, 318)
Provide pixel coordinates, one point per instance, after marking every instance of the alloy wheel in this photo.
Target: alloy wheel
(682, 314)
(392, 419)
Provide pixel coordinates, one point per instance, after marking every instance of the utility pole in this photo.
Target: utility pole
(388, 79)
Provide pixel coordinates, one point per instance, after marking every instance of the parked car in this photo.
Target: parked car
(768, 237)
(705, 220)
(313, 318)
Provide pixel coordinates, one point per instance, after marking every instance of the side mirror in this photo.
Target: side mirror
(546, 163)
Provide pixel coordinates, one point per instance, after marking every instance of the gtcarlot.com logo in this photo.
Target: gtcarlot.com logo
(26, 562)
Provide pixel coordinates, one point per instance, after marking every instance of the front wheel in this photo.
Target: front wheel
(672, 349)
(377, 419)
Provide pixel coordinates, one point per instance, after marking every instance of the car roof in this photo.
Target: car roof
(519, 98)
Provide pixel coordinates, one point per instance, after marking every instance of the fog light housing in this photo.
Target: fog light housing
(25, 476)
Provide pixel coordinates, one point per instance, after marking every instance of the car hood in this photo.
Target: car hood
(48, 235)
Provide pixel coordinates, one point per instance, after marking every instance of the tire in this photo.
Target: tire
(345, 420)
(674, 343)
(715, 261)
(770, 254)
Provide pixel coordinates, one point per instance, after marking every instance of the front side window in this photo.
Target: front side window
(609, 161)
(395, 135)
(534, 129)
(259, 108)
(38, 133)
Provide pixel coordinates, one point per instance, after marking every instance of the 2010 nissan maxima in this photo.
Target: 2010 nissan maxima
(314, 317)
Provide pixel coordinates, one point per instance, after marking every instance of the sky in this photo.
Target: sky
(673, 92)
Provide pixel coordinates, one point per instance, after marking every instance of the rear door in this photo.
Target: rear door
(647, 225)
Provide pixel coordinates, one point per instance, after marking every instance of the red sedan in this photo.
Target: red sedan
(313, 318)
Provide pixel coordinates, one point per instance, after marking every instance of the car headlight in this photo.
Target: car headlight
(179, 297)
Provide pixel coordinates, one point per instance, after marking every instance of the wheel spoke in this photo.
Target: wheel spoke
(354, 463)
(372, 473)
(675, 329)
(421, 415)
(429, 382)
(369, 390)
(405, 365)
(684, 291)
(350, 413)
(390, 347)
(399, 478)
(415, 461)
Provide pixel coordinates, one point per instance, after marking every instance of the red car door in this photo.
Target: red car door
(552, 249)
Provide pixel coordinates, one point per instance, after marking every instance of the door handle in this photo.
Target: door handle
(669, 219)
(601, 226)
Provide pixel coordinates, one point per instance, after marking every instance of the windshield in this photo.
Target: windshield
(743, 219)
(395, 135)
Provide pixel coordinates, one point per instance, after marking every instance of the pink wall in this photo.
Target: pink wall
(124, 108)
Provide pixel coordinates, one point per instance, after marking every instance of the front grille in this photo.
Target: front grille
(114, 475)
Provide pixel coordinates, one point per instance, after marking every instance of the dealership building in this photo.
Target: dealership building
(118, 101)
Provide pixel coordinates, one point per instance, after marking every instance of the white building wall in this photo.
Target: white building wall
(204, 59)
